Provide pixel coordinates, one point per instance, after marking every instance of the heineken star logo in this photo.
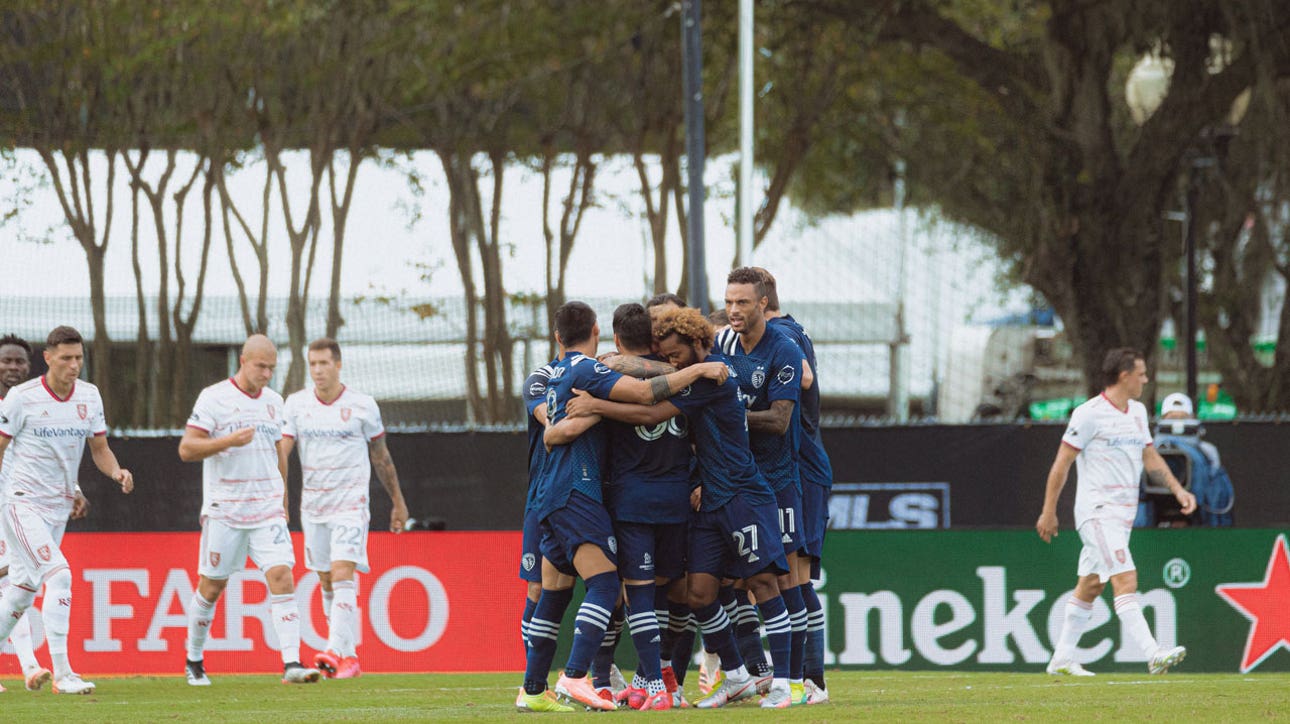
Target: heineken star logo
(1264, 604)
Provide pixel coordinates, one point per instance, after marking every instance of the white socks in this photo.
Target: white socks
(344, 618)
(1134, 624)
(200, 614)
(286, 623)
(1073, 623)
(57, 615)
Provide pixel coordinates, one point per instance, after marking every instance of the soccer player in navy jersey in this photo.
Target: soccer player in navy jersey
(768, 367)
(577, 536)
(817, 482)
(733, 530)
(534, 395)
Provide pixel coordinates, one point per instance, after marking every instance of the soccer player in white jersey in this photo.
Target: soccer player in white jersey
(1110, 444)
(341, 439)
(46, 421)
(236, 431)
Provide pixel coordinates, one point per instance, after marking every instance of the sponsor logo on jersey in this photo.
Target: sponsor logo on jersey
(786, 375)
(82, 411)
(345, 412)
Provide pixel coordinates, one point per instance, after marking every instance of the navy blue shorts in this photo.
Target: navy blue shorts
(737, 540)
(815, 518)
(531, 549)
(647, 550)
(789, 501)
(581, 521)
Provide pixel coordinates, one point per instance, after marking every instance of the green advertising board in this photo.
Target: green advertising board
(994, 600)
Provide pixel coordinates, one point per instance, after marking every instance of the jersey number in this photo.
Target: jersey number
(347, 536)
(746, 545)
(787, 520)
(279, 534)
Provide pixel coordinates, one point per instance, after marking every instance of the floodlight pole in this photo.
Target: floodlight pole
(692, 82)
(745, 246)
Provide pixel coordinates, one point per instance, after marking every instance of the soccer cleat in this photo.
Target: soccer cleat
(607, 693)
(73, 684)
(37, 678)
(797, 690)
(349, 669)
(1166, 659)
(816, 694)
(328, 662)
(581, 691)
(709, 673)
(661, 701)
(616, 680)
(630, 698)
(669, 679)
(294, 673)
(763, 684)
(731, 690)
(194, 671)
(544, 702)
(679, 701)
(779, 697)
(1068, 668)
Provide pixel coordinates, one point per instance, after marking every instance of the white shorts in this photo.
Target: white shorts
(1106, 548)
(224, 548)
(31, 544)
(338, 539)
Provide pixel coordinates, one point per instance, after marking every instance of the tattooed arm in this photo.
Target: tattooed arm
(638, 367)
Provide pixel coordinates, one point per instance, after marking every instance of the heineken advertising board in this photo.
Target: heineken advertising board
(994, 600)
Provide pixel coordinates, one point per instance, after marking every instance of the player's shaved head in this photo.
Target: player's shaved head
(258, 344)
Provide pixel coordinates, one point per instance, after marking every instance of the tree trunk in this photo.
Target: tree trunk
(459, 233)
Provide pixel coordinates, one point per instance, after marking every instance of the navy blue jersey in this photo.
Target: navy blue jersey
(649, 466)
(719, 426)
(578, 465)
(534, 395)
(812, 459)
(768, 372)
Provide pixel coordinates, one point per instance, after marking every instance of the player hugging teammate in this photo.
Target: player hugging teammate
(702, 501)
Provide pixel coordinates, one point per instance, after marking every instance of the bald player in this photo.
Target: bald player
(236, 431)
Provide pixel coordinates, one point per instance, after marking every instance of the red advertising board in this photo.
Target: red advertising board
(432, 602)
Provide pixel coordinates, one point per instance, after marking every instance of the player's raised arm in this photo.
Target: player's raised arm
(197, 444)
(657, 389)
(105, 461)
(638, 367)
(1046, 526)
(1160, 475)
(584, 404)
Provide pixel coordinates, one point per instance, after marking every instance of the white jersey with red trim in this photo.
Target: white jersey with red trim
(6, 465)
(1109, 464)
(241, 486)
(333, 442)
(48, 436)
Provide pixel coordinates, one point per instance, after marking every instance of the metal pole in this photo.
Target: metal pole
(692, 63)
(1189, 251)
(898, 393)
(745, 248)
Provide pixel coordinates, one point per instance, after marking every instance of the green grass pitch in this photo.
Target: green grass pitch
(857, 696)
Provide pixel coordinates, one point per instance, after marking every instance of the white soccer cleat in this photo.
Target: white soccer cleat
(778, 697)
(1166, 659)
(616, 680)
(37, 678)
(1068, 668)
(294, 673)
(195, 673)
(730, 691)
(73, 684)
(814, 694)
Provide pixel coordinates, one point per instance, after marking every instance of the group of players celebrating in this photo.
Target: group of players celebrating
(683, 478)
(243, 432)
